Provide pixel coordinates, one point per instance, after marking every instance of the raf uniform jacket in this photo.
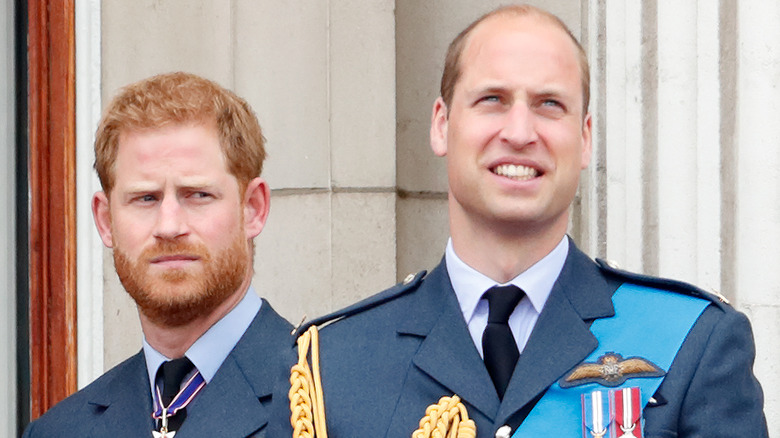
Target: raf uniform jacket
(389, 357)
(236, 403)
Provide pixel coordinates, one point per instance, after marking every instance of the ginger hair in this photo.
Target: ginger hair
(174, 99)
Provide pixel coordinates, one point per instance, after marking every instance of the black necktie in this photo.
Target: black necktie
(498, 344)
(172, 374)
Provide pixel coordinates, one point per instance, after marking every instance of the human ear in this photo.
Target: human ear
(587, 139)
(257, 203)
(439, 128)
(101, 213)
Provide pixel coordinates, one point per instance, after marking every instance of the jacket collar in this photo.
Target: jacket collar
(560, 340)
(233, 404)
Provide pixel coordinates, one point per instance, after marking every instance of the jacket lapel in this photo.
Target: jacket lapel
(227, 407)
(122, 403)
(561, 338)
(236, 403)
(447, 353)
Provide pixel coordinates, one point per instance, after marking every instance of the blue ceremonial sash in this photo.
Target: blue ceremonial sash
(648, 323)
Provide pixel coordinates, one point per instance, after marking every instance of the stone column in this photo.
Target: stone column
(757, 188)
(685, 182)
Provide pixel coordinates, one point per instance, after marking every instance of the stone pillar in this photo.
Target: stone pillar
(685, 182)
(321, 77)
(757, 189)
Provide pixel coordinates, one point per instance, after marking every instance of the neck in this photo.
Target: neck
(503, 253)
(173, 342)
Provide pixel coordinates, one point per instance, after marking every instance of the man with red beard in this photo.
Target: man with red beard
(179, 159)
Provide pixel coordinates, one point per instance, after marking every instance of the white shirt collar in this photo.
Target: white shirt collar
(537, 281)
(213, 347)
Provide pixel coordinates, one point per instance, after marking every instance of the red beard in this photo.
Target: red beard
(177, 296)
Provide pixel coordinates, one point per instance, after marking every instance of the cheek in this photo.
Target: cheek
(216, 226)
(131, 232)
(475, 132)
(466, 145)
(565, 145)
(127, 240)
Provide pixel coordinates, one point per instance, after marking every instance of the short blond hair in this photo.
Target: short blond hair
(180, 98)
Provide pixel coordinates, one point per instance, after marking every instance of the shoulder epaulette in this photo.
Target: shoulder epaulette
(661, 283)
(409, 284)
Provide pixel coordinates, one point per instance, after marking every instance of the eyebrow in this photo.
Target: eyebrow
(142, 187)
(553, 92)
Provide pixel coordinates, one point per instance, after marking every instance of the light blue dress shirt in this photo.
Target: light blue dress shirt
(537, 282)
(213, 347)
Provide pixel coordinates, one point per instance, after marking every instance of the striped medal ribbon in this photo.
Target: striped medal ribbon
(595, 414)
(182, 399)
(628, 412)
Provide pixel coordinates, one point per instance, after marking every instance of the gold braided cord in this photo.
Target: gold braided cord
(307, 408)
(446, 419)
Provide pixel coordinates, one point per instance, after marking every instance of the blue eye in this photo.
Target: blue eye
(552, 108)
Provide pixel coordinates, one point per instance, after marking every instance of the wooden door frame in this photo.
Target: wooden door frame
(52, 190)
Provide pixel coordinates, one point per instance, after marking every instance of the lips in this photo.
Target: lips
(175, 254)
(174, 258)
(515, 171)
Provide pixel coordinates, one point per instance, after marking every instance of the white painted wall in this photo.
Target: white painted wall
(7, 223)
(89, 263)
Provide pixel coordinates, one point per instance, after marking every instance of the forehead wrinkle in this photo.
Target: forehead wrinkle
(195, 182)
(490, 86)
(150, 184)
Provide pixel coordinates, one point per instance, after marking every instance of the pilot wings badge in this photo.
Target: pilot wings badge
(610, 370)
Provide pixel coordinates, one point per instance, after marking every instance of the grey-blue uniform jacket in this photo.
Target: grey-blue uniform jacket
(236, 403)
(386, 359)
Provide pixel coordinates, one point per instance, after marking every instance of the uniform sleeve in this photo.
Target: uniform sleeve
(28, 431)
(724, 398)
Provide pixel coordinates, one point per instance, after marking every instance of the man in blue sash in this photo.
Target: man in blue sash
(532, 336)
(179, 160)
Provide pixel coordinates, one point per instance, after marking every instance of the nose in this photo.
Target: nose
(171, 219)
(519, 128)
